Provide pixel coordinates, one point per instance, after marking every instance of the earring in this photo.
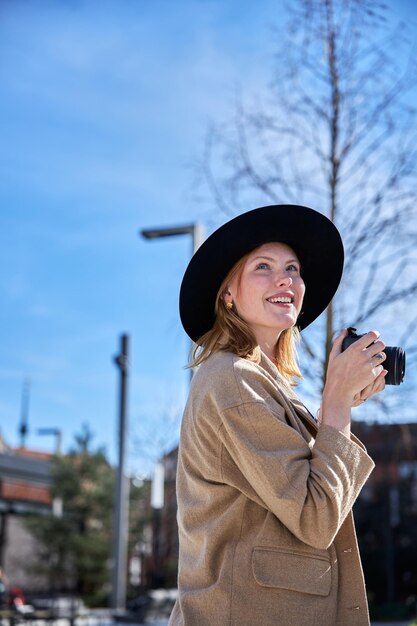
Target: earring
(229, 305)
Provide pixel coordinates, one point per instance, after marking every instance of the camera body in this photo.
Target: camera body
(394, 362)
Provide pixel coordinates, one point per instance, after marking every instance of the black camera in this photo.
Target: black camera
(394, 363)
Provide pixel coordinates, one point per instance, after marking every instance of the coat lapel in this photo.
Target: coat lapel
(304, 414)
(295, 409)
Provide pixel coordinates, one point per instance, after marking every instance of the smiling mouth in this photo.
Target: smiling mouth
(283, 300)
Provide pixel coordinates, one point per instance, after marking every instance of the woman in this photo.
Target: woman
(265, 491)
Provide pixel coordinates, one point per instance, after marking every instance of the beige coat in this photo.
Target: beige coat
(264, 506)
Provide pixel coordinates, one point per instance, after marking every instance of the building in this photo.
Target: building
(168, 526)
(157, 550)
(24, 488)
(386, 514)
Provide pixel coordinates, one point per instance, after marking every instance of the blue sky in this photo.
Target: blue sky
(103, 109)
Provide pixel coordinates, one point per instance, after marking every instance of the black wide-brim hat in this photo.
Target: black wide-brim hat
(312, 236)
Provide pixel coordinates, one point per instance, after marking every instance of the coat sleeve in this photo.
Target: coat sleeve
(310, 490)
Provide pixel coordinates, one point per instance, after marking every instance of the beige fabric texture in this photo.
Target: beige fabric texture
(264, 506)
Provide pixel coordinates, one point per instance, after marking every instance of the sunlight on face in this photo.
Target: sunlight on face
(268, 293)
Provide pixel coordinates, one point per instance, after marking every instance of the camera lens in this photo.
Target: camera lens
(395, 364)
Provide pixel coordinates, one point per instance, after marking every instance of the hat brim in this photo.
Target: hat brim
(312, 236)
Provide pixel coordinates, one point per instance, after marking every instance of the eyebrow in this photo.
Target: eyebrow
(269, 258)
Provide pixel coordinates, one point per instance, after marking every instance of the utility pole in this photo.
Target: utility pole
(24, 412)
(121, 490)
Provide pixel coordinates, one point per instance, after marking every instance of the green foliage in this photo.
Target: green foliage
(74, 550)
(54, 558)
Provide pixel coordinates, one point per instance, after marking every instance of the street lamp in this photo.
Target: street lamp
(195, 230)
(121, 513)
(57, 502)
(197, 234)
(57, 433)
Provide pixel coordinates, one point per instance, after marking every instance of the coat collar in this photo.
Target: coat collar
(296, 405)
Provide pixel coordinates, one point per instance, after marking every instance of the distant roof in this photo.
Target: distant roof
(25, 468)
(33, 454)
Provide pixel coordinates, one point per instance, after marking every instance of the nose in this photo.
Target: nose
(284, 280)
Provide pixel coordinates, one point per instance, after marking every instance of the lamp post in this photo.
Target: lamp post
(195, 230)
(24, 412)
(121, 512)
(57, 502)
(57, 433)
(197, 237)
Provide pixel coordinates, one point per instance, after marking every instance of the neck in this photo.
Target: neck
(269, 350)
(268, 341)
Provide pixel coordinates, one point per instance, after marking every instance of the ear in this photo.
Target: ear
(227, 297)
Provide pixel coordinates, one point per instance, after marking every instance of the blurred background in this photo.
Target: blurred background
(118, 117)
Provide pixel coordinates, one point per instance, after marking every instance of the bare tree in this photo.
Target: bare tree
(155, 436)
(336, 130)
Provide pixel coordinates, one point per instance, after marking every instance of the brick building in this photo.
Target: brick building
(386, 514)
(24, 488)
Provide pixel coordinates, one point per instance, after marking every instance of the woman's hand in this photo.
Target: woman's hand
(369, 391)
(353, 376)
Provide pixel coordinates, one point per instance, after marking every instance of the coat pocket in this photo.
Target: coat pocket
(293, 571)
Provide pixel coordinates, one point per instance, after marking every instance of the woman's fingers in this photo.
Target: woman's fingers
(371, 356)
(370, 390)
(369, 340)
(337, 344)
(355, 374)
(376, 361)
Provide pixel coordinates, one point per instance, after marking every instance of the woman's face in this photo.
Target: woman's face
(269, 291)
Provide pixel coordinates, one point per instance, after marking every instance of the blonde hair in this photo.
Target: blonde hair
(232, 334)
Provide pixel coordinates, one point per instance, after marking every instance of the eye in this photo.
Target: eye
(262, 266)
(293, 268)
